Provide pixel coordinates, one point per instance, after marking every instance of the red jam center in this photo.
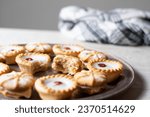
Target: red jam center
(67, 48)
(58, 83)
(102, 65)
(29, 59)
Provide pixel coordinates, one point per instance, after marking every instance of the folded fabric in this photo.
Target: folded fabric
(119, 26)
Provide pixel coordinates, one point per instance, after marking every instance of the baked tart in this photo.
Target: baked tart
(72, 50)
(110, 68)
(66, 64)
(2, 58)
(10, 53)
(33, 62)
(90, 82)
(39, 48)
(16, 84)
(55, 87)
(87, 55)
(4, 68)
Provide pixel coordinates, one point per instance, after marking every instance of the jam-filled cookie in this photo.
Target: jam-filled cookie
(16, 84)
(10, 53)
(39, 48)
(72, 50)
(33, 62)
(66, 64)
(90, 82)
(55, 87)
(110, 68)
(4, 68)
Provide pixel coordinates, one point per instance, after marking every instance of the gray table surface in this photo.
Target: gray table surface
(138, 57)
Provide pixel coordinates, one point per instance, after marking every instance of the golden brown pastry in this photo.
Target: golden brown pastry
(110, 68)
(2, 58)
(90, 82)
(4, 68)
(87, 55)
(39, 48)
(55, 87)
(72, 50)
(10, 53)
(33, 62)
(66, 64)
(16, 84)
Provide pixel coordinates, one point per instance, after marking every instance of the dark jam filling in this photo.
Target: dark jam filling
(67, 48)
(102, 65)
(12, 50)
(58, 83)
(29, 59)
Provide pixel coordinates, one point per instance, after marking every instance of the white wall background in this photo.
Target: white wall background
(43, 14)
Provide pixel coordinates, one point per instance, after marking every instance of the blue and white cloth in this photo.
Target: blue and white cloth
(119, 26)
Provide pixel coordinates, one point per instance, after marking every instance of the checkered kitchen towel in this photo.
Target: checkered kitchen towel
(119, 26)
